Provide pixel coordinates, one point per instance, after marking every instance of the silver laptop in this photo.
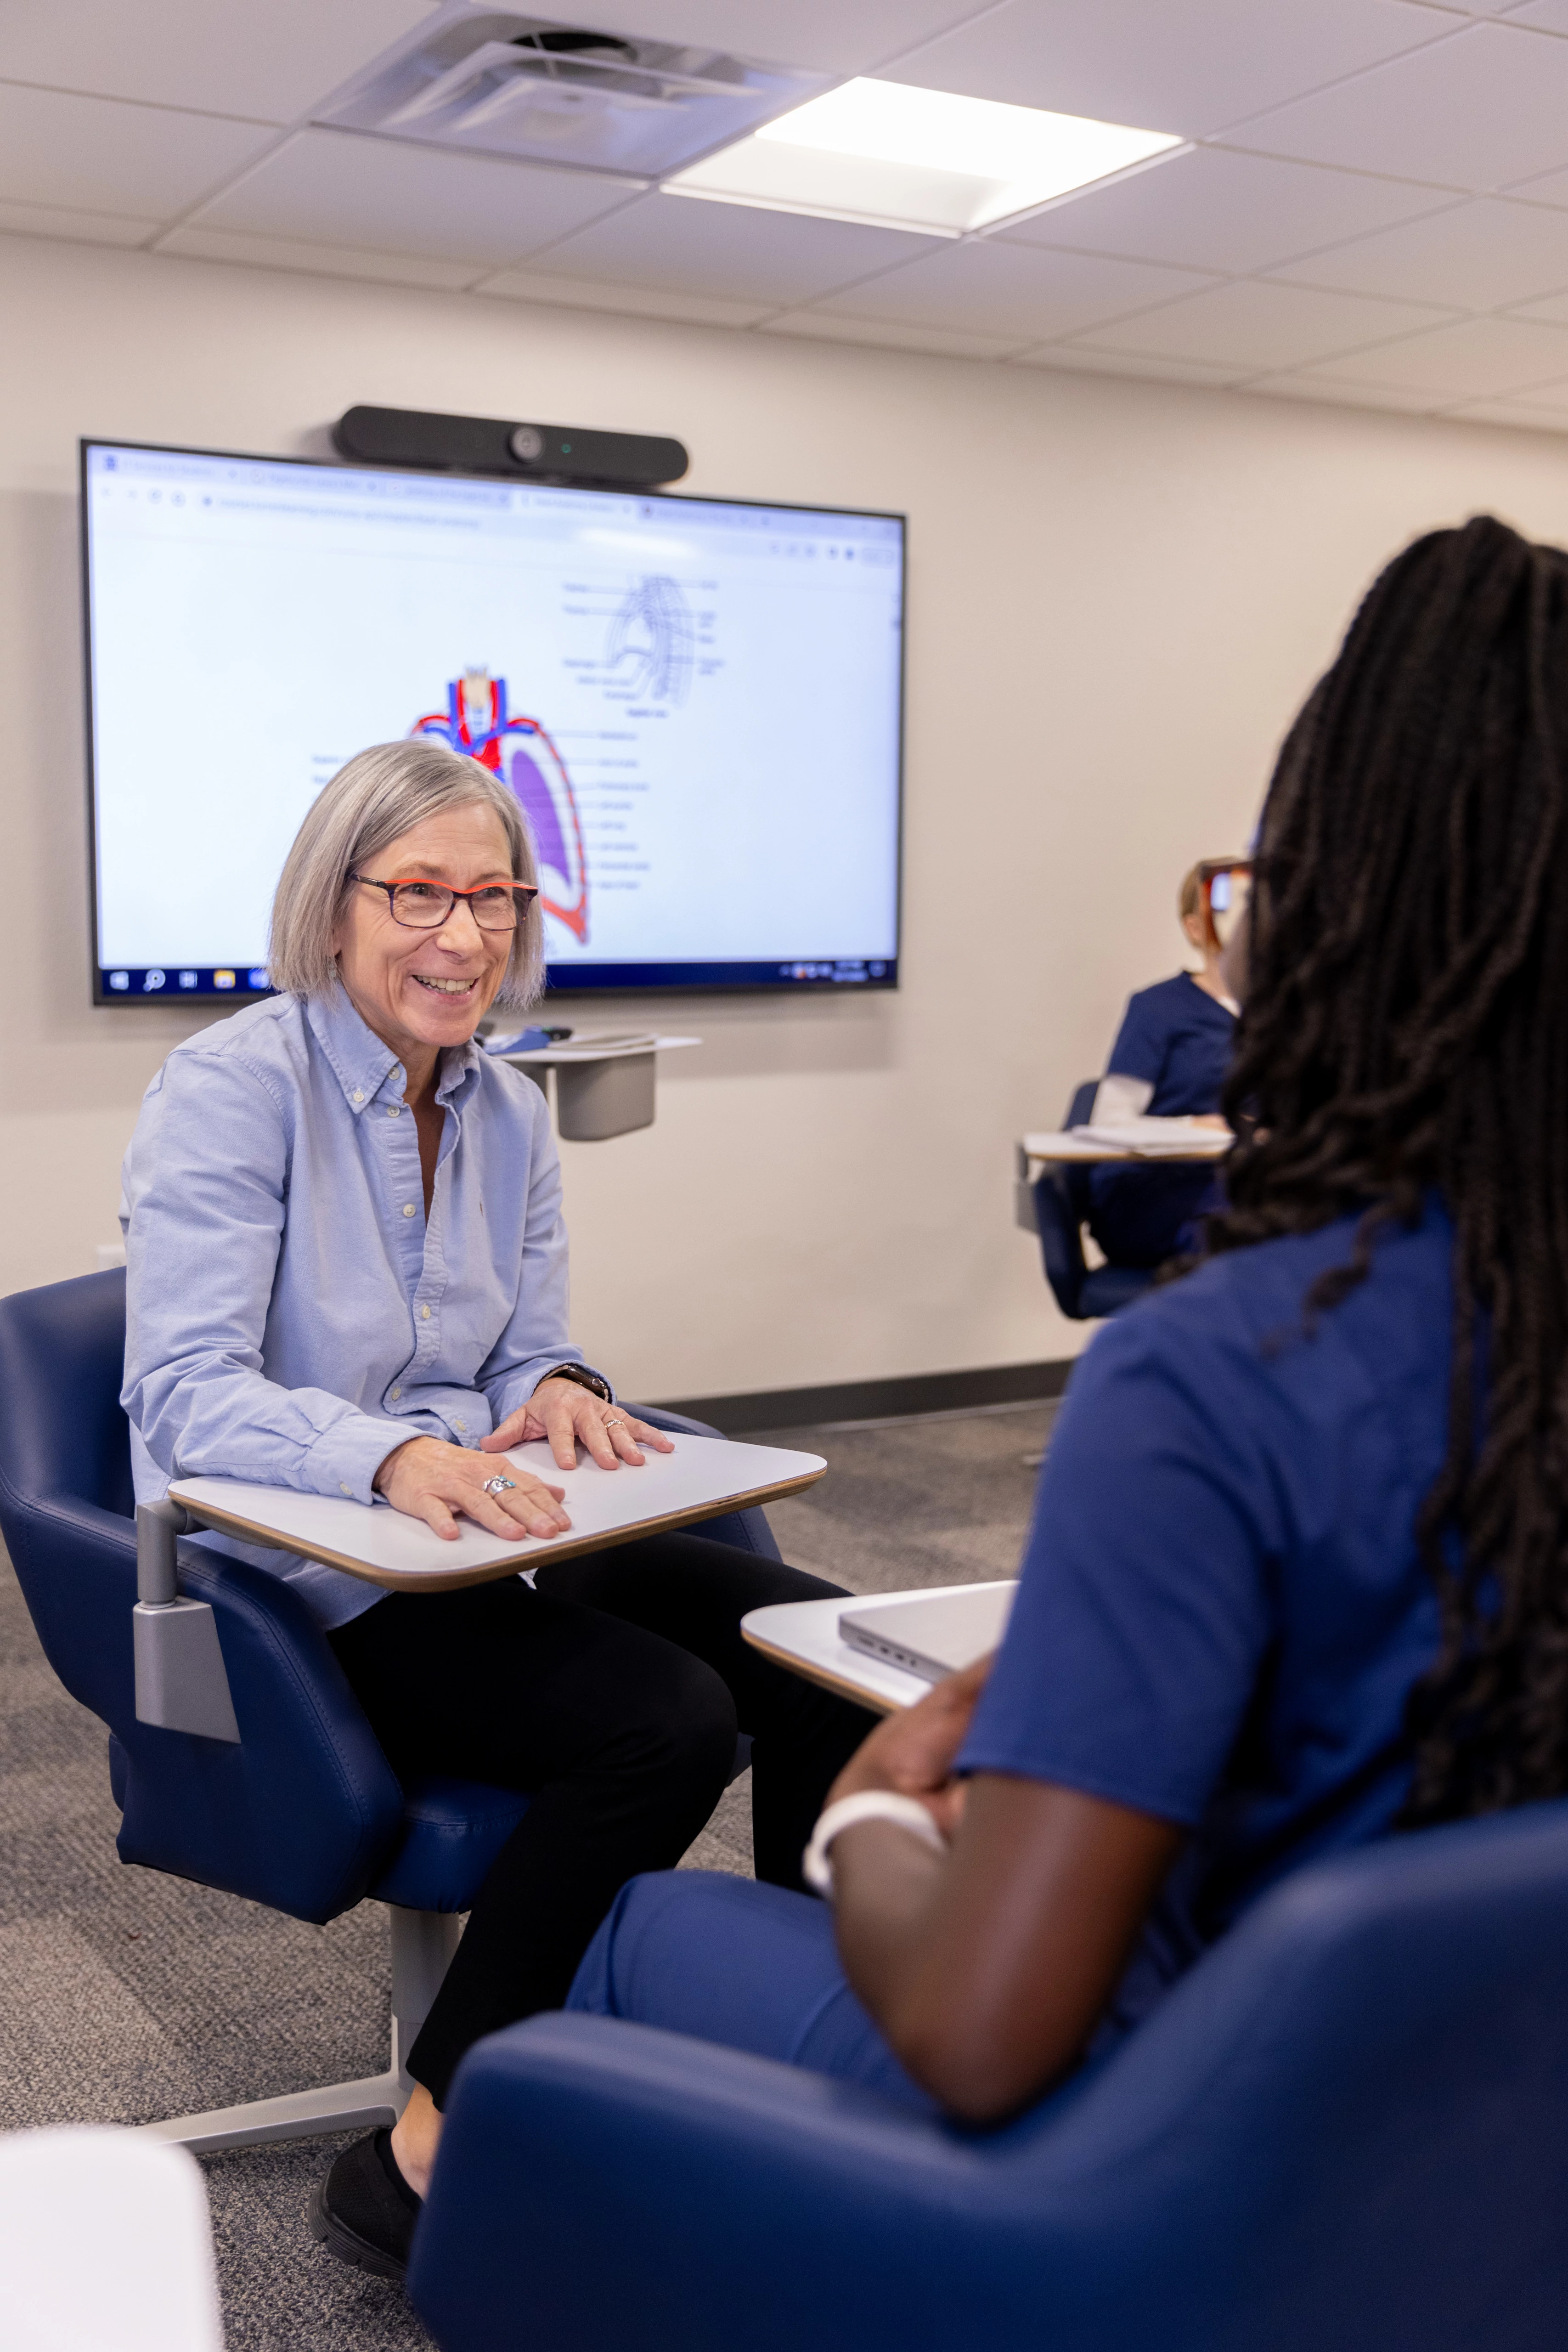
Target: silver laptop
(931, 1634)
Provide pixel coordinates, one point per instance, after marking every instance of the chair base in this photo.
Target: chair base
(297, 2115)
(422, 1943)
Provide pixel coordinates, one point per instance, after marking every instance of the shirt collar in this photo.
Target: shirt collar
(460, 1068)
(362, 1064)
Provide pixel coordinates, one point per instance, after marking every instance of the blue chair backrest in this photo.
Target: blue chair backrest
(303, 1814)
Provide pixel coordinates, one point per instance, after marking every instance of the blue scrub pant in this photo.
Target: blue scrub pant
(748, 1966)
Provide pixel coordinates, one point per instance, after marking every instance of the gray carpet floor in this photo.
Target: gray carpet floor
(127, 1995)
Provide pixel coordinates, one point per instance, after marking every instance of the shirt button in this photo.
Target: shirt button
(359, 1094)
(461, 1427)
(344, 1490)
(392, 1109)
(395, 1394)
(408, 1208)
(424, 1314)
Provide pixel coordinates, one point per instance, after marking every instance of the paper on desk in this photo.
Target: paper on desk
(701, 1472)
(1153, 1139)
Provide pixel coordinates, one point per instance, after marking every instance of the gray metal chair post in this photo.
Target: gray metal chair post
(422, 1943)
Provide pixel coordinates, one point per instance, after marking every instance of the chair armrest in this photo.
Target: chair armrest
(624, 2186)
(305, 1813)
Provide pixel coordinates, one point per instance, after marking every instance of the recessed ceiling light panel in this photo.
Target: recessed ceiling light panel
(527, 87)
(905, 158)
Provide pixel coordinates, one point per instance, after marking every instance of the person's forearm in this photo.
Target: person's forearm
(888, 1889)
(987, 1968)
(883, 1882)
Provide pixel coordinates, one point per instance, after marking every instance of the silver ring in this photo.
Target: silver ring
(616, 1423)
(498, 1485)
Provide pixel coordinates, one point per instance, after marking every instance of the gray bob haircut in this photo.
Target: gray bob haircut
(381, 794)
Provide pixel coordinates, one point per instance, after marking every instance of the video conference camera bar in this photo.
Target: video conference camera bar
(495, 444)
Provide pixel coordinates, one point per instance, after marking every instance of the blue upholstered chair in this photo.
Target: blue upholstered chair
(1059, 1210)
(303, 1812)
(1346, 2130)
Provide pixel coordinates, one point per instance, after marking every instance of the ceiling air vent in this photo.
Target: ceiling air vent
(526, 87)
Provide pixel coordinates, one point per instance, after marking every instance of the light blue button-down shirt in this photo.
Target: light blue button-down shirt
(292, 1314)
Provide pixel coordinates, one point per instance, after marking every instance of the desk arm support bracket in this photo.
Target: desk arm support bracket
(1026, 1216)
(182, 1683)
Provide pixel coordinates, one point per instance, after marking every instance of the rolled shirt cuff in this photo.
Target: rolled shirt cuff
(345, 1458)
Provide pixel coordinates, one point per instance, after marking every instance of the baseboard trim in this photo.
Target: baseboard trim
(888, 1400)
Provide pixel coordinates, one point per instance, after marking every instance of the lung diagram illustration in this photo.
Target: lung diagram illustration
(650, 640)
(518, 750)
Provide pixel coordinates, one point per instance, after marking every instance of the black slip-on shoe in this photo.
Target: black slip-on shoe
(364, 2210)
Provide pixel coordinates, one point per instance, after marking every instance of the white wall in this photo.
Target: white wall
(1119, 592)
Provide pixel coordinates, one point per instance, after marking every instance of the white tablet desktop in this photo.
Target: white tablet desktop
(702, 1476)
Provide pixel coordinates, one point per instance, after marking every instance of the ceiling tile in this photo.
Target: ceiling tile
(268, 63)
(1519, 414)
(1544, 188)
(1483, 109)
(1552, 309)
(1251, 324)
(823, 327)
(1074, 360)
(1024, 293)
(736, 252)
(1544, 16)
(1192, 66)
(636, 301)
(316, 260)
(336, 187)
(91, 154)
(1479, 256)
(824, 35)
(1214, 209)
(81, 228)
(1347, 395)
(1548, 399)
(1473, 359)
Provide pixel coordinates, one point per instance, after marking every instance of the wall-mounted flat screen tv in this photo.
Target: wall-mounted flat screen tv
(696, 701)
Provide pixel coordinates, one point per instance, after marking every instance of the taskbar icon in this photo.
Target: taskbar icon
(183, 980)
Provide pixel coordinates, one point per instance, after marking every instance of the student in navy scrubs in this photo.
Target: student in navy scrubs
(1299, 1569)
(1171, 1054)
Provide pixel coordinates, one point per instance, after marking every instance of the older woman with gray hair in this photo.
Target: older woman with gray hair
(347, 1276)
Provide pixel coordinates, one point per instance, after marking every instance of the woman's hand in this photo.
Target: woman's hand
(434, 1482)
(565, 1412)
(912, 1751)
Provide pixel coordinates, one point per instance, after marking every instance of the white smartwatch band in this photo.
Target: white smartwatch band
(866, 1805)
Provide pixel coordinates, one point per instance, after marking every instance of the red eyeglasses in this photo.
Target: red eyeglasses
(425, 906)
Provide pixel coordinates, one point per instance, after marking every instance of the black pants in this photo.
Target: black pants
(614, 1692)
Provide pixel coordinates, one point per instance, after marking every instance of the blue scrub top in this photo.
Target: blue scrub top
(1177, 1037)
(1180, 1039)
(1222, 1609)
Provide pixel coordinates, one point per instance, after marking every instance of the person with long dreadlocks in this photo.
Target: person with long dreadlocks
(1297, 1576)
